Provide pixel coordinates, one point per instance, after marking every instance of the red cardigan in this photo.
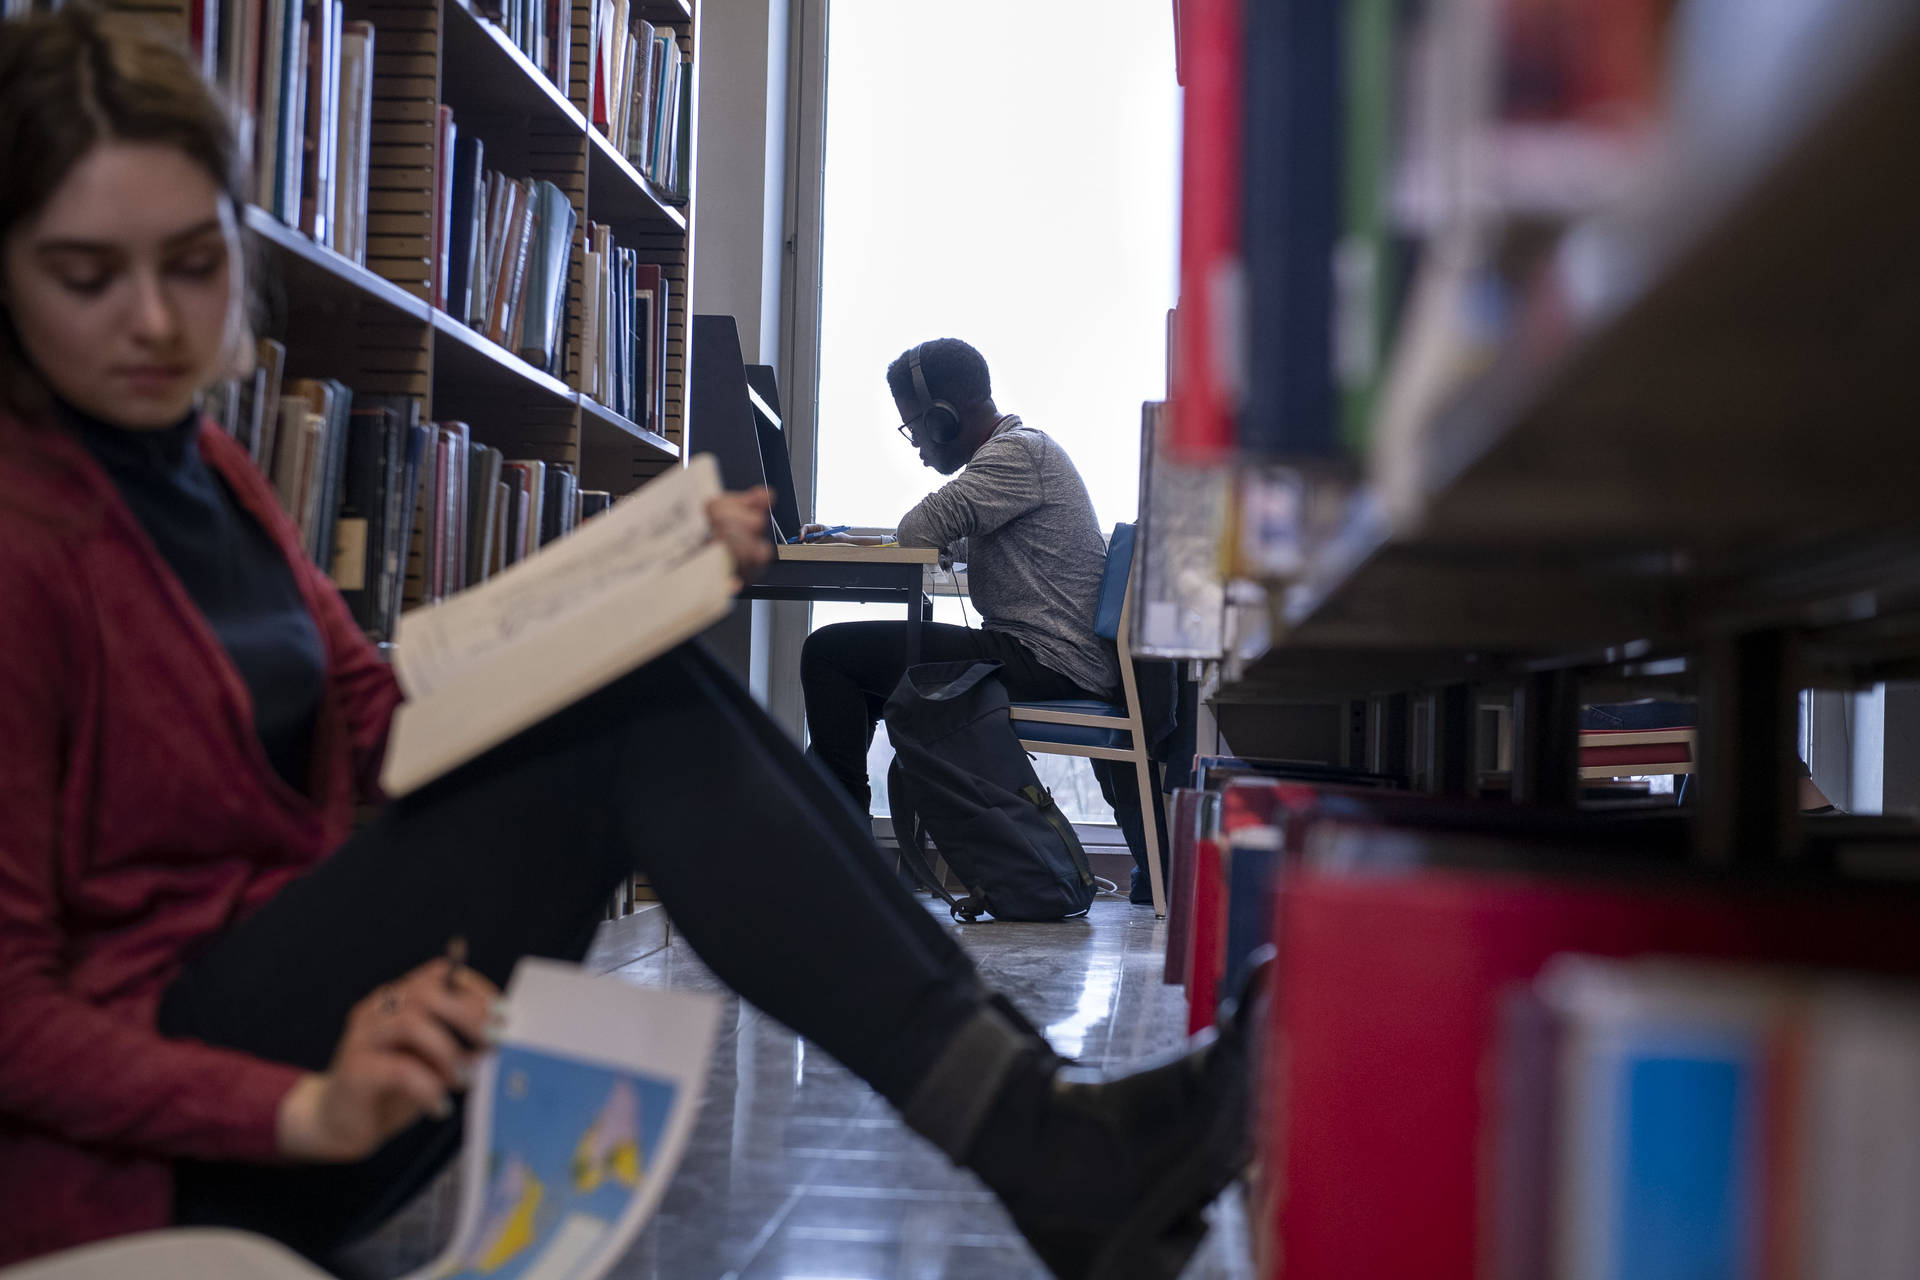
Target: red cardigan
(139, 817)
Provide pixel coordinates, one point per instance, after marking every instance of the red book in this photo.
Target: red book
(1204, 401)
(1182, 840)
(1645, 753)
(512, 275)
(1207, 933)
(1376, 1108)
(203, 34)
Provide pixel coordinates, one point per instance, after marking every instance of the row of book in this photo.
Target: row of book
(624, 334)
(1516, 1044)
(640, 91)
(298, 78)
(1664, 1117)
(399, 510)
(541, 29)
(501, 249)
(1393, 167)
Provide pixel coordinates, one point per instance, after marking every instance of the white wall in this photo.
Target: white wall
(738, 241)
(738, 236)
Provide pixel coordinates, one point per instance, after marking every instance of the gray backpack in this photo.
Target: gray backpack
(961, 778)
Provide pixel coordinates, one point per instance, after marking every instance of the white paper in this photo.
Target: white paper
(575, 1124)
(500, 657)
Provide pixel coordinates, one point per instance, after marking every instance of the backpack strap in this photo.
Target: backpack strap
(1042, 799)
(912, 839)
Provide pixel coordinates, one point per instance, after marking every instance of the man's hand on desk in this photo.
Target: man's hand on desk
(817, 533)
(740, 521)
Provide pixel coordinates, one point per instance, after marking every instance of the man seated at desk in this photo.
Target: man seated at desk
(1018, 515)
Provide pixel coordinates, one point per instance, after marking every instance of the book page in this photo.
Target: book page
(500, 657)
(575, 1124)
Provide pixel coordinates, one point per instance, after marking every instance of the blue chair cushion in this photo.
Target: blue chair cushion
(1072, 735)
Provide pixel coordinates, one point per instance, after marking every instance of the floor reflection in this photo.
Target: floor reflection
(797, 1171)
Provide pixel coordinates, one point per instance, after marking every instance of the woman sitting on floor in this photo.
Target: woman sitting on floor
(217, 1003)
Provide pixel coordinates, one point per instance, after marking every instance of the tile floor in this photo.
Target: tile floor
(798, 1171)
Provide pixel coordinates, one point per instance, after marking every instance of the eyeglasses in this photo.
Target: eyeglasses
(906, 428)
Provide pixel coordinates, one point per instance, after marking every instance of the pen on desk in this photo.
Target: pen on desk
(821, 533)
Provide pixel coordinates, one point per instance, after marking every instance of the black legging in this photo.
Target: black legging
(849, 670)
(673, 771)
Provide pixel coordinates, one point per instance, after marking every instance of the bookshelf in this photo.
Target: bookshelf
(1679, 424)
(375, 327)
(1612, 441)
(1691, 480)
(312, 270)
(431, 53)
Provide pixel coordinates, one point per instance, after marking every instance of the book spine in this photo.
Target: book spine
(356, 140)
(444, 135)
(313, 475)
(410, 540)
(683, 143)
(1203, 394)
(276, 47)
(334, 461)
(509, 255)
(466, 211)
(1293, 187)
(357, 561)
(293, 121)
(459, 448)
(521, 251)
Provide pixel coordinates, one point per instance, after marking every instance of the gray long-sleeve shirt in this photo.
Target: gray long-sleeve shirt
(1020, 517)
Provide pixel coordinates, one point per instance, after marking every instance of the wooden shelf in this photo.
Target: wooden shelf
(462, 353)
(485, 73)
(318, 277)
(597, 420)
(617, 193)
(1651, 474)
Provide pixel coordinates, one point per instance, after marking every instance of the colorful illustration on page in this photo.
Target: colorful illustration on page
(571, 1147)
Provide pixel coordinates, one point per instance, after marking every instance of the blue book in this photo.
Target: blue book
(1661, 1153)
(1292, 215)
(1253, 867)
(463, 231)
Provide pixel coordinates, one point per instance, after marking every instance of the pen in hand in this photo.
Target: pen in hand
(456, 960)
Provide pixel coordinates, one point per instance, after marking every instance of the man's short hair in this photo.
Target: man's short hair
(954, 371)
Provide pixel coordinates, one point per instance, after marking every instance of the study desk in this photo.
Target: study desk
(861, 575)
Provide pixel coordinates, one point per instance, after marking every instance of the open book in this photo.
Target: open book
(574, 1127)
(500, 657)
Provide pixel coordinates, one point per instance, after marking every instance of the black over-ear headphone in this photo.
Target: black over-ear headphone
(940, 420)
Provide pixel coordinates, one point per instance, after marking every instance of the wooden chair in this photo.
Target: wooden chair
(1105, 730)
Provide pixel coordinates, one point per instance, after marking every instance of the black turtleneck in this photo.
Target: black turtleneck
(232, 570)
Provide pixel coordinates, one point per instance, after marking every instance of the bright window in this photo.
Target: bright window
(1008, 177)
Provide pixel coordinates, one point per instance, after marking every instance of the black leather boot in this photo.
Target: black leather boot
(1105, 1176)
